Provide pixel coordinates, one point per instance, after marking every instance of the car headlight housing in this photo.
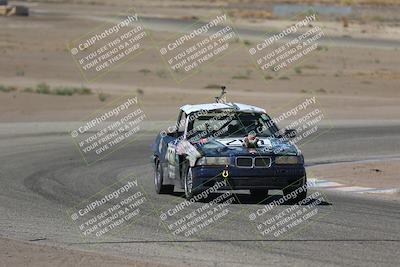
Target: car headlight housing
(288, 160)
(213, 161)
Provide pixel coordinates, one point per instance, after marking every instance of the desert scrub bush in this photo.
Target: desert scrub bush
(103, 97)
(347, 2)
(20, 73)
(65, 91)
(140, 91)
(28, 90)
(43, 88)
(245, 76)
(83, 91)
(322, 48)
(145, 71)
(378, 18)
(212, 86)
(246, 42)
(7, 89)
(240, 77)
(310, 67)
(161, 73)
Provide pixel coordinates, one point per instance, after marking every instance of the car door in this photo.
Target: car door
(172, 156)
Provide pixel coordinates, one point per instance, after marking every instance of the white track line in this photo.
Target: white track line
(329, 185)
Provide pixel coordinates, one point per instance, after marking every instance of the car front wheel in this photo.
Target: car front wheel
(188, 183)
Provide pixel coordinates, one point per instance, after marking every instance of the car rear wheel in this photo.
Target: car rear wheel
(158, 181)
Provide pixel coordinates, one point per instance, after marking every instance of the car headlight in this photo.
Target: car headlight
(213, 161)
(288, 160)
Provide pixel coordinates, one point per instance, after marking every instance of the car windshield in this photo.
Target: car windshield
(230, 124)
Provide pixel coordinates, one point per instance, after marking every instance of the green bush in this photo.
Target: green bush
(63, 91)
(213, 86)
(20, 72)
(7, 89)
(241, 77)
(140, 91)
(43, 88)
(145, 71)
(28, 90)
(102, 97)
(246, 42)
(298, 70)
(83, 91)
(161, 73)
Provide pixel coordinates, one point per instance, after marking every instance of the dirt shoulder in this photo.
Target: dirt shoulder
(17, 253)
(370, 174)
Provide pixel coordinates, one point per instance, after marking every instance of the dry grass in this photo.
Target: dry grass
(250, 14)
(335, 2)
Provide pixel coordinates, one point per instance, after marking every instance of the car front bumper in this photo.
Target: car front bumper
(274, 177)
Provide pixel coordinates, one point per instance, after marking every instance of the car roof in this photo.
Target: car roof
(215, 106)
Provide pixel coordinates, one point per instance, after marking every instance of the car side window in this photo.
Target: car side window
(180, 124)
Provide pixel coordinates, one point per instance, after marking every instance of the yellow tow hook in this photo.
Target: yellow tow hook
(225, 172)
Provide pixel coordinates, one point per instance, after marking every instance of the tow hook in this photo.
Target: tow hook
(225, 172)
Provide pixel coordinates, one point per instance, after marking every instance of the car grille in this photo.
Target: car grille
(245, 162)
(262, 162)
(251, 162)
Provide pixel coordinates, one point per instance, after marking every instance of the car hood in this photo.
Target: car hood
(234, 146)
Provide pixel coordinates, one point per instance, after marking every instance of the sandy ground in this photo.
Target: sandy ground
(17, 253)
(27, 107)
(362, 82)
(352, 84)
(371, 174)
(375, 174)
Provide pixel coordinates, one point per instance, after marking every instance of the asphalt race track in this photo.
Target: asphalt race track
(42, 175)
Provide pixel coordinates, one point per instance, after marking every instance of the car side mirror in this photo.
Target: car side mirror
(290, 133)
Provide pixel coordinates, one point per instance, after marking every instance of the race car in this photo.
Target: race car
(237, 144)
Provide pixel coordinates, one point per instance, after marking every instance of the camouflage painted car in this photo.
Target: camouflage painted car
(232, 142)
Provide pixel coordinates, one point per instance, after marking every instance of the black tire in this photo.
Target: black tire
(259, 193)
(299, 196)
(158, 180)
(188, 181)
